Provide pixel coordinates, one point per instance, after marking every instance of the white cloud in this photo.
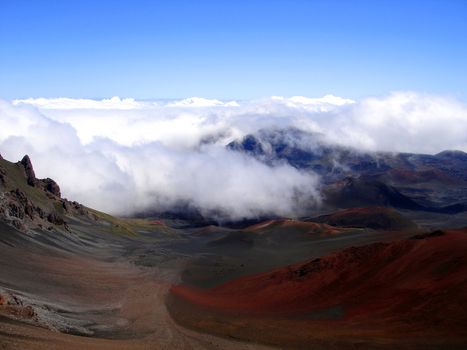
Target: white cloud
(115, 173)
(402, 122)
(201, 102)
(71, 103)
(123, 155)
(321, 104)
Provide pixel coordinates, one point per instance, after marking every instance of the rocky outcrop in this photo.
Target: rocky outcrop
(47, 184)
(29, 170)
(31, 204)
(2, 176)
(54, 218)
(18, 210)
(51, 186)
(13, 306)
(27, 208)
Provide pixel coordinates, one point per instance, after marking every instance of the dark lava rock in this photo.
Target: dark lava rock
(39, 212)
(19, 195)
(55, 219)
(18, 224)
(2, 176)
(21, 205)
(30, 175)
(65, 205)
(15, 210)
(29, 211)
(52, 187)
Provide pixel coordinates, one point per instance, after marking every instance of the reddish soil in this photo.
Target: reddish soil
(371, 217)
(306, 227)
(411, 293)
(157, 223)
(208, 230)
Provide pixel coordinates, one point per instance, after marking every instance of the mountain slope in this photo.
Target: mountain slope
(28, 203)
(409, 292)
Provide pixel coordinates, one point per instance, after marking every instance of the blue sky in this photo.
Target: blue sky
(231, 49)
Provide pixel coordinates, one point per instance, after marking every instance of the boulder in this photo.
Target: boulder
(52, 187)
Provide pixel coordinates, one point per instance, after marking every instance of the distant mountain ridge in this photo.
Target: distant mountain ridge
(306, 150)
(352, 177)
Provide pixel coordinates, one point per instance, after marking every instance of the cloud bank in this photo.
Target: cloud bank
(125, 156)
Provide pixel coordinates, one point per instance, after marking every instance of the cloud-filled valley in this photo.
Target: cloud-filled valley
(127, 156)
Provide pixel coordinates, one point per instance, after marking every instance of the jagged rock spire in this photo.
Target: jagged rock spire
(30, 175)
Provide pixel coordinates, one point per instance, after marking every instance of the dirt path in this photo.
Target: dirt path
(163, 332)
(140, 320)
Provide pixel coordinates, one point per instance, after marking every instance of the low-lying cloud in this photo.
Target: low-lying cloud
(126, 156)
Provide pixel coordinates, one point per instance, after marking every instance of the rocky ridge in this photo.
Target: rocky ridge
(28, 203)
